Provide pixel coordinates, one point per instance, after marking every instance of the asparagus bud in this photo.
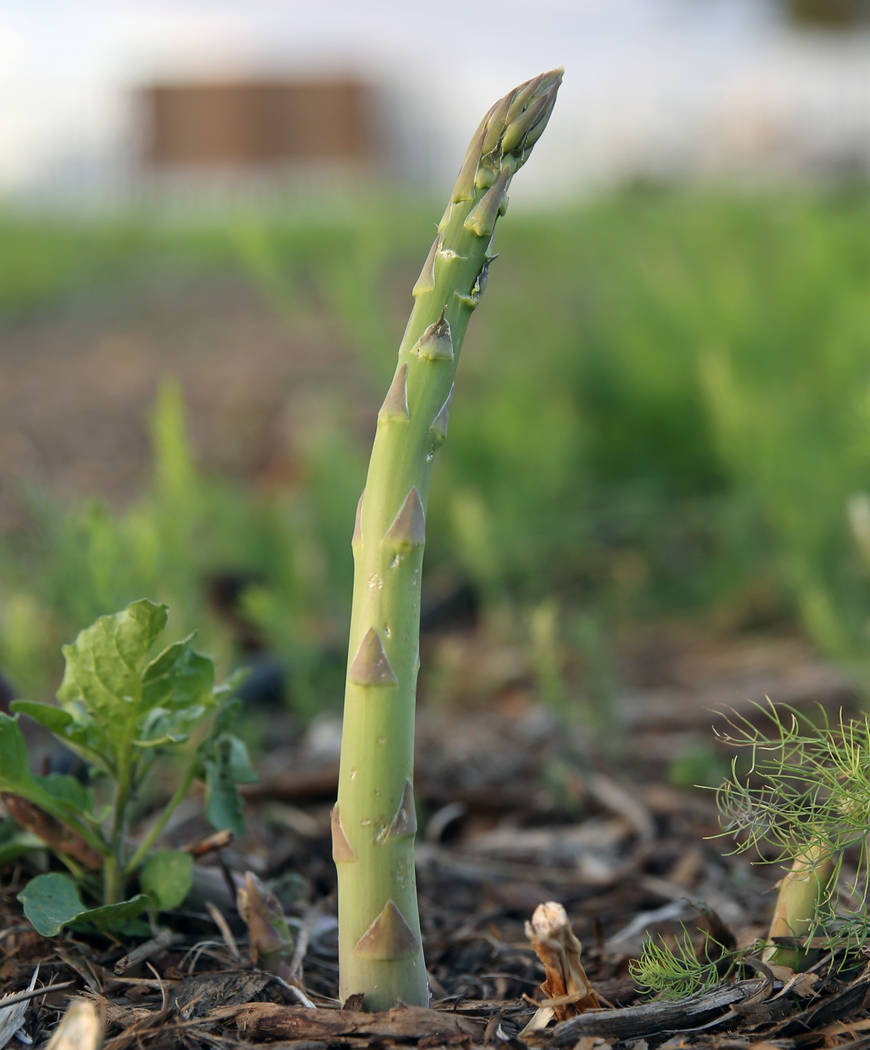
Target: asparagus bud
(374, 822)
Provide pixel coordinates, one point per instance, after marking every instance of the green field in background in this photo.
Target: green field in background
(663, 408)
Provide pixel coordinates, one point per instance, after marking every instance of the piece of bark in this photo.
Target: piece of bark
(164, 939)
(54, 834)
(636, 1022)
(275, 1021)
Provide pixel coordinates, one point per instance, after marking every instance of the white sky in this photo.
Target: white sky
(638, 72)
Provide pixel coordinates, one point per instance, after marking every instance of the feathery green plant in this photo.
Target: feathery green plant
(806, 794)
(676, 971)
(374, 820)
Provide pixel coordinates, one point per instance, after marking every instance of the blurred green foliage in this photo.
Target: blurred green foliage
(288, 550)
(662, 408)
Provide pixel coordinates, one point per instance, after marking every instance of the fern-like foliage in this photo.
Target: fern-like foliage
(677, 971)
(806, 791)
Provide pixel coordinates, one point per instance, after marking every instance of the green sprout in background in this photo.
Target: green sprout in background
(806, 794)
(803, 801)
(120, 709)
(374, 820)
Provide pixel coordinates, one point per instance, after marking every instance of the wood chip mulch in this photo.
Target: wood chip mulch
(515, 810)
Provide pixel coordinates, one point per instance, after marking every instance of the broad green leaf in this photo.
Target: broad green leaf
(14, 767)
(82, 738)
(55, 795)
(115, 916)
(235, 680)
(237, 759)
(225, 719)
(178, 686)
(68, 790)
(162, 728)
(223, 807)
(52, 902)
(54, 718)
(179, 677)
(104, 663)
(14, 842)
(167, 877)
(226, 764)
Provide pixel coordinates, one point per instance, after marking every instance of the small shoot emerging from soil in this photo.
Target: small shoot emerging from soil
(270, 941)
(119, 710)
(374, 821)
(806, 797)
(676, 970)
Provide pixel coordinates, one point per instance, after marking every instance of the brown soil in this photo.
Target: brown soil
(78, 383)
(517, 808)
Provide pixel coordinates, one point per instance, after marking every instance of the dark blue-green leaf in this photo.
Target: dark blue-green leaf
(14, 842)
(179, 677)
(115, 916)
(82, 737)
(52, 902)
(225, 763)
(54, 718)
(55, 794)
(223, 807)
(14, 768)
(238, 761)
(66, 789)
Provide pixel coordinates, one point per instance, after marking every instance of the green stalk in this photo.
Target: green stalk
(157, 827)
(802, 890)
(113, 865)
(374, 822)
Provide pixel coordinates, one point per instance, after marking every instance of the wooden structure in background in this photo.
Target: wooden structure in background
(258, 124)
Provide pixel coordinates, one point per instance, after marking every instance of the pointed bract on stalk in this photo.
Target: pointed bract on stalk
(374, 823)
(395, 404)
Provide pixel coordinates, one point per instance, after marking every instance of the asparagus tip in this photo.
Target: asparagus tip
(501, 145)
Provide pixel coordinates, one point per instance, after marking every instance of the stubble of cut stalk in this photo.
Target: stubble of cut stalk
(373, 823)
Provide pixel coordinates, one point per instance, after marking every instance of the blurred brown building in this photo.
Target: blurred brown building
(259, 124)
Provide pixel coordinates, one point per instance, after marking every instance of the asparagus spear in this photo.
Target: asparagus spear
(804, 888)
(374, 822)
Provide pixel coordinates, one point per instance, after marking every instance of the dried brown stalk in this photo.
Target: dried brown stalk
(566, 989)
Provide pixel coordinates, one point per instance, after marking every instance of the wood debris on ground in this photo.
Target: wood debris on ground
(515, 809)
